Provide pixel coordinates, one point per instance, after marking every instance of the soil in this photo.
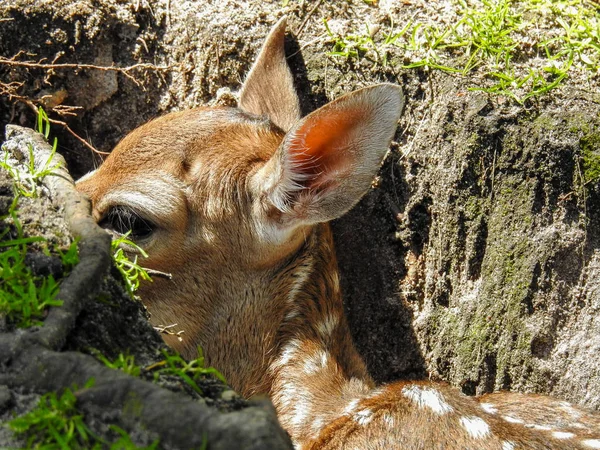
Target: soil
(476, 259)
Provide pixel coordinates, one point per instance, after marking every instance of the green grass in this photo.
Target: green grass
(518, 49)
(24, 298)
(130, 270)
(26, 181)
(125, 443)
(123, 362)
(69, 258)
(189, 371)
(56, 423)
(172, 364)
(354, 45)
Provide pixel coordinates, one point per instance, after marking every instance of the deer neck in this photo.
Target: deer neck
(281, 332)
(316, 371)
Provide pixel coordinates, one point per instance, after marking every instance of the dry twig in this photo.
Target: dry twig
(126, 71)
(11, 89)
(306, 18)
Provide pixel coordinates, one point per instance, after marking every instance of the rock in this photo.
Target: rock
(229, 395)
(5, 398)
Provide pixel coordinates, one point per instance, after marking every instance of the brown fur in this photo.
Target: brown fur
(240, 205)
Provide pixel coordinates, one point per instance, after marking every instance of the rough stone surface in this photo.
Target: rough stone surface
(475, 261)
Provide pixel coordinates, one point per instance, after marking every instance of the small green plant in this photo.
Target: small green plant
(124, 363)
(69, 258)
(496, 38)
(489, 32)
(131, 271)
(362, 45)
(24, 297)
(351, 45)
(125, 443)
(188, 371)
(26, 181)
(57, 424)
(43, 124)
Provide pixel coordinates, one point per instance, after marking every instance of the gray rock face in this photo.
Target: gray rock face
(497, 253)
(506, 296)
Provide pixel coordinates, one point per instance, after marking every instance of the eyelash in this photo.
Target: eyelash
(123, 219)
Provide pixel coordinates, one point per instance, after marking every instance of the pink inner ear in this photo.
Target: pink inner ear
(319, 153)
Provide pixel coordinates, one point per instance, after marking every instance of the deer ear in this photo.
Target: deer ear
(269, 88)
(328, 160)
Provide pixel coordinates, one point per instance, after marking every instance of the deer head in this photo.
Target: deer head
(223, 198)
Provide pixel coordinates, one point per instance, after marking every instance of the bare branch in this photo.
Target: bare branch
(10, 90)
(126, 71)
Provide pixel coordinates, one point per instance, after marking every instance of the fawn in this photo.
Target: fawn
(235, 204)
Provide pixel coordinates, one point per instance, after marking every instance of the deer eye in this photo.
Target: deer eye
(123, 220)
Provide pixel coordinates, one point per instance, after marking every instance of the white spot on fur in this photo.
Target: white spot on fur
(317, 425)
(427, 397)
(363, 416)
(508, 445)
(287, 394)
(289, 351)
(324, 358)
(300, 278)
(350, 407)
(511, 419)
(566, 406)
(591, 443)
(476, 427)
(389, 420)
(563, 435)
(296, 404)
(489, 408)
(292, 313)
(327, 326)
(316, 362)
(376, 392)
(301, 411)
